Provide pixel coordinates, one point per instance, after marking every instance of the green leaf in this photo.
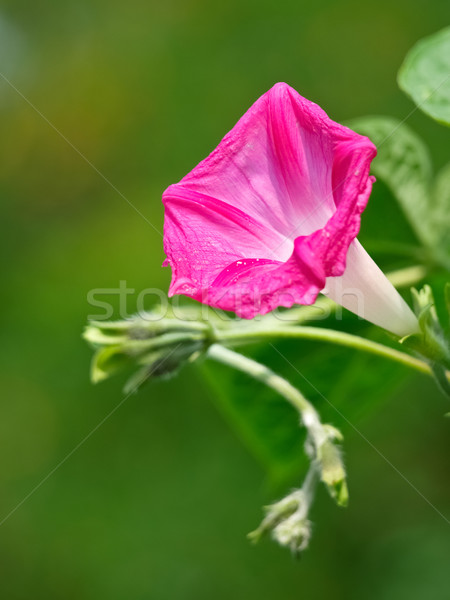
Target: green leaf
(404, 164)
(440, 377)
(425, 75)
(440, 214)
(447, 299)
(264, 421)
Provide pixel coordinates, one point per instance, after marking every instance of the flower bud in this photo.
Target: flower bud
(293, 533)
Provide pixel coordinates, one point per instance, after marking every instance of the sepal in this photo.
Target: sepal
(432, 343)
(158, 346)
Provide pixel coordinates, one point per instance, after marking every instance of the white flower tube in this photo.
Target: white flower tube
(366, 291)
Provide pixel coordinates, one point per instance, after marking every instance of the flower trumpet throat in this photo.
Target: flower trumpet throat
(270, 217)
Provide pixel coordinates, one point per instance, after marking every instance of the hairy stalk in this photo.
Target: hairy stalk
(267, 377)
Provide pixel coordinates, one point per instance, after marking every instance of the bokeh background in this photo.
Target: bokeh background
(156, 502)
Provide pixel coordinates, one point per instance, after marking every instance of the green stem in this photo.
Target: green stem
(325, 335)
(309, 415)
(309, 485)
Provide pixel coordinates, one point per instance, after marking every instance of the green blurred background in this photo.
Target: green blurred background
(156, 502)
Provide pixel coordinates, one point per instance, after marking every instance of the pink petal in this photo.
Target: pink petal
(271, 212)
(206, 236)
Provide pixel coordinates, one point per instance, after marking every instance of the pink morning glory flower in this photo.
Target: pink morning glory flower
(270, 217)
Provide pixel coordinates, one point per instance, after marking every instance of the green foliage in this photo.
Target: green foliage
(425, 75)
(447, 300)
(432, 343)
(264, 421)
(404, 164)
(440, 202)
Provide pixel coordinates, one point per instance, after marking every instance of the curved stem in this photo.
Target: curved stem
(325, 335)
(309, 415)
(264, 375)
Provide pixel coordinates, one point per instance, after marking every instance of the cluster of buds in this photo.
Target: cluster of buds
(288, 519)
(158, 345)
